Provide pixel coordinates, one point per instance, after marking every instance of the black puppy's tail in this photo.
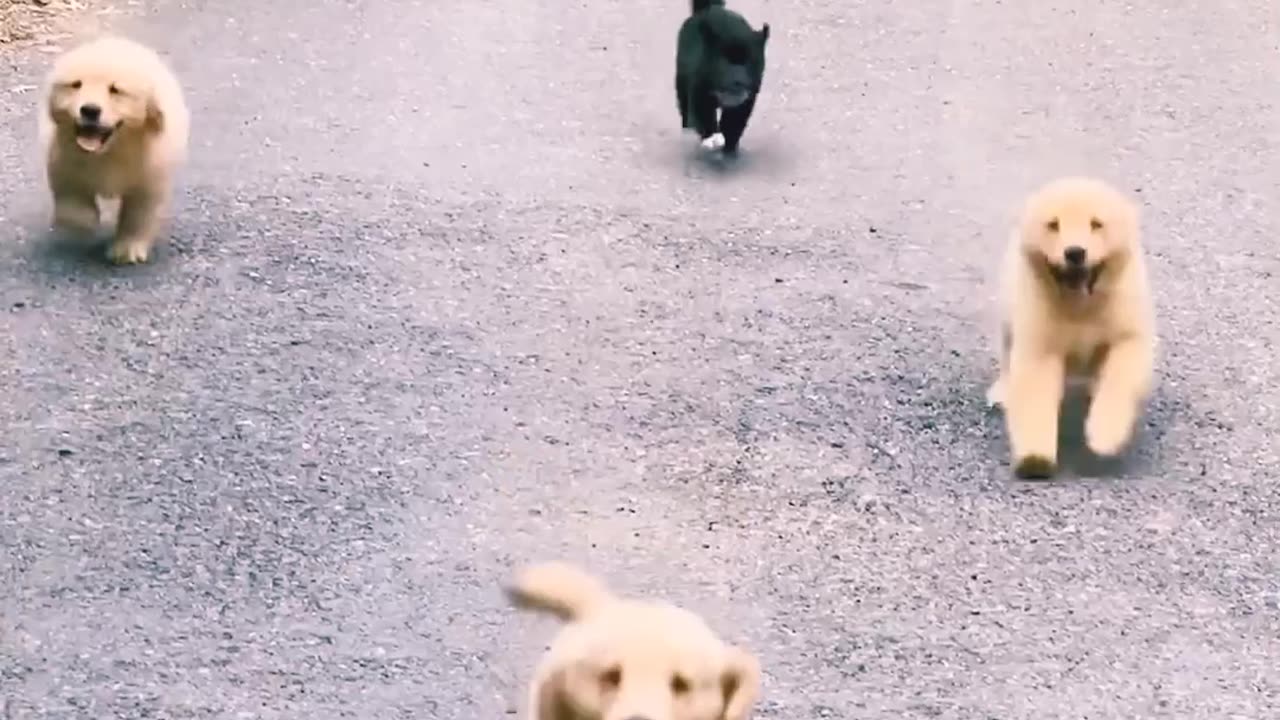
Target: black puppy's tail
(700, 5)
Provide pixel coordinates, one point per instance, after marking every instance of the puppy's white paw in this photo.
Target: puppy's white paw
(128, 252)
(715, 142)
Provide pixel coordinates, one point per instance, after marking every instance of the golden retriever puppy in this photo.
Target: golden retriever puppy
(623, 659)
(113, 124)
(1075, 305)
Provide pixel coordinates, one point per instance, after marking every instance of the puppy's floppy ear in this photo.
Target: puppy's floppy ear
(740, 681)
(551, 699)
(1131, 219)
(763, 34)
(58, 97)
(51, 108)
(155, 116)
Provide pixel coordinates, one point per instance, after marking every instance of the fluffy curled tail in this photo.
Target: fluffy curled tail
(700, 5)
(558, 588)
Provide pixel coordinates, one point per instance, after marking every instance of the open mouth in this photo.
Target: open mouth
(1077, 278)
(93, 138)
(732, 98)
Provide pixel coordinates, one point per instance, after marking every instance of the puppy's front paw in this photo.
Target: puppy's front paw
(1035, 467)
(1108, 428)
(128, 252)
(715, 142)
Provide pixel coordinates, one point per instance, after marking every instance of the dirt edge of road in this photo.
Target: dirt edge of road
(48, 22)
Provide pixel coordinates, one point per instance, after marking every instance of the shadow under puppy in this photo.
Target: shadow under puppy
(624, 659)
(719, 68)
(113, 124)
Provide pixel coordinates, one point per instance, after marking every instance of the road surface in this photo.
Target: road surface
(448, 292)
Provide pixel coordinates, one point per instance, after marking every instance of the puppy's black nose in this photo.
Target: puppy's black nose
(90, 112)
(1074, 255)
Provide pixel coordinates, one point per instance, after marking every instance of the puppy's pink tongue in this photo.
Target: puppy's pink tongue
(89, 143)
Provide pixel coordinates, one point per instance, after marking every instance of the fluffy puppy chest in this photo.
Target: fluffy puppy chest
(112, 173)
(1082, 343)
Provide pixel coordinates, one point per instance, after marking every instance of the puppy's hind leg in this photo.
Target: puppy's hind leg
(141, 215)
(996, 393)
(996, 390)
(682, 97)
(1121, 386)
(733, 122)
(1032, 403)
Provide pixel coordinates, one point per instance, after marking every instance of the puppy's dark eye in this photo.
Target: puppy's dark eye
(75, 85)
(113, 90)
(1096, 224)
(679, 684)
(611, 678)
(1052, 225)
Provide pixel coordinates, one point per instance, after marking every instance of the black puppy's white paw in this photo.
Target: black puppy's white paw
(714, 142)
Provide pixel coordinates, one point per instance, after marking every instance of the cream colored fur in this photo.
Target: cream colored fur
(623, 659)
(142, 102)
(1052, 331)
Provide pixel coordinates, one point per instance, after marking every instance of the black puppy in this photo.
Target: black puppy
(719, 66)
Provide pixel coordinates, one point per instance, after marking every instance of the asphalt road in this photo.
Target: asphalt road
(448, 291)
